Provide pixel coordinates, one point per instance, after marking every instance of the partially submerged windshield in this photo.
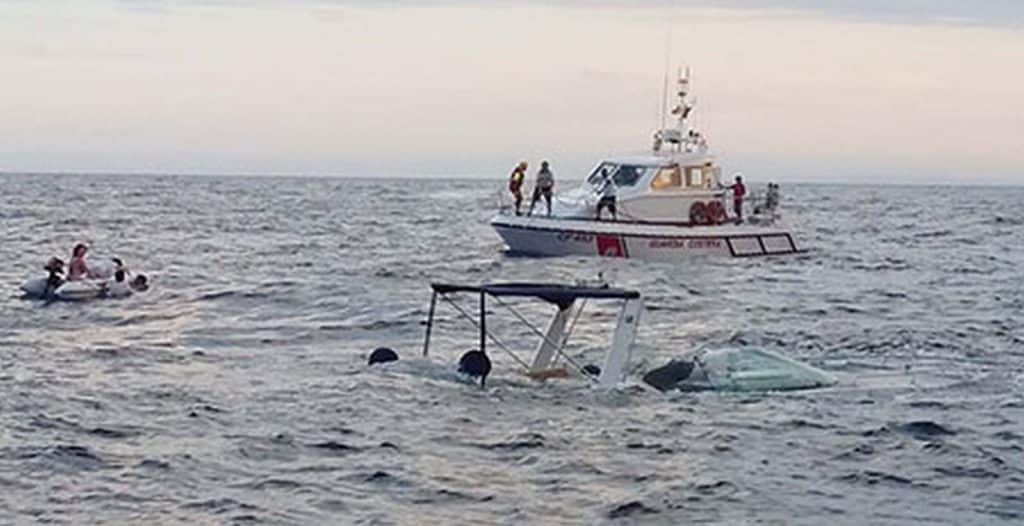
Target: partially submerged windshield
(623, 174)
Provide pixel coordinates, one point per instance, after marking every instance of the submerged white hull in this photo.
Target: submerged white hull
(542, 236)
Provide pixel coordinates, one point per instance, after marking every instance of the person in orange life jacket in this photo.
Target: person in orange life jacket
(738, 191)
(515, 184)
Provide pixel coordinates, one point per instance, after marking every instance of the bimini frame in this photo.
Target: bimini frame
(570, 300)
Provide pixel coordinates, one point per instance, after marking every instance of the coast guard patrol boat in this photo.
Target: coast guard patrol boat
(670, 204)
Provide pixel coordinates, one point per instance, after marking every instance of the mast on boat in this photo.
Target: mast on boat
(683, 137)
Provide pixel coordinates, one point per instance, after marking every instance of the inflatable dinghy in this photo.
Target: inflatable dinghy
(80, 290)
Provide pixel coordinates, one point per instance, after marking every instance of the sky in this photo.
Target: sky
(915, 91)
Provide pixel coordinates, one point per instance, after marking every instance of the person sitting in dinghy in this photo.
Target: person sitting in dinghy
(78, 268)
(46, 288)
(55, 267)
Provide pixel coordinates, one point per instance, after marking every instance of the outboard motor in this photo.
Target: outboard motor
(669, 375)
(475, 364)
(383, 355)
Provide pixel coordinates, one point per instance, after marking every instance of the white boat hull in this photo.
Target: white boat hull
(542, 236)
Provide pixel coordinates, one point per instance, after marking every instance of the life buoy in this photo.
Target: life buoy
(698, 213)
(716, 212)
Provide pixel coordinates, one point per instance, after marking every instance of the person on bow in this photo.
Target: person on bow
(515, 184)
(543, 187)
(738, 191)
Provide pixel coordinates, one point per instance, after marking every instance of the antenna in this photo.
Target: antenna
(664, 86)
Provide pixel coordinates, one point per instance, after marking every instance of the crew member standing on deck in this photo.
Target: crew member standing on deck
(543, 187)
(738, 191)
(607, 193)
(515, 184)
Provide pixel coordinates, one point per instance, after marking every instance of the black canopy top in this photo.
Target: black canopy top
(561, 295)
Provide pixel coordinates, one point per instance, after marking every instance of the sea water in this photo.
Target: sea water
(236, 390)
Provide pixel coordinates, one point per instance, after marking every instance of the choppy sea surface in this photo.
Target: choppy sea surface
(236, 390)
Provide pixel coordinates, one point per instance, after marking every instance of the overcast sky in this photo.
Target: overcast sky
(907, 91)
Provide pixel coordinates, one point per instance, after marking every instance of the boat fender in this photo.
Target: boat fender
(716, 212)
(669, 375)
(698, 213)
(475, 364)
(383, 355)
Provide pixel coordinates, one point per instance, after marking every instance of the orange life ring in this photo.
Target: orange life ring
(716, 212)
(698, 213)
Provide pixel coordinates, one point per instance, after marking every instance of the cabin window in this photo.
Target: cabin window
(595, 178)
(666, 178)
(710, 174)
(628, 175)
(694, 177)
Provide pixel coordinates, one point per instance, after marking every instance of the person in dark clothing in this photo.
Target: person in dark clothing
(607, 193)
(738, 191)
(55, 267)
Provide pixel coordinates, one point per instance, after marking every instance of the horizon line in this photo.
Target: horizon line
(467, 177)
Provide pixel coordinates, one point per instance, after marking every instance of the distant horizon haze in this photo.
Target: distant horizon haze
(923, 92)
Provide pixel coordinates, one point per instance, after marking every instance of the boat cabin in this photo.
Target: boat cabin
(656, 188)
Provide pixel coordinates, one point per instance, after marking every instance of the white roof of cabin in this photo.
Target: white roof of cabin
(684, 158)
(641, 160)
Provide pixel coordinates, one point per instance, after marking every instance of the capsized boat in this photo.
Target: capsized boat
(727, 369)
(669, 204)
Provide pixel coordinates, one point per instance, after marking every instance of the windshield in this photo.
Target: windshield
(623, 174)
(597, 175)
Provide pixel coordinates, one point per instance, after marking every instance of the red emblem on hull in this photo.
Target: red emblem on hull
(610, 245)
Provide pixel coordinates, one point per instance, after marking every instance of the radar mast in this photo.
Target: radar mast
(683, 137)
